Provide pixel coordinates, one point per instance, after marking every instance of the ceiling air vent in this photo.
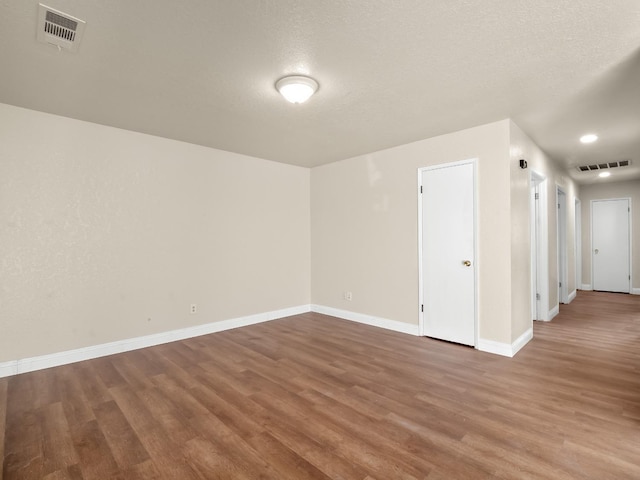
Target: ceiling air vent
(59, 29)
(604, 166)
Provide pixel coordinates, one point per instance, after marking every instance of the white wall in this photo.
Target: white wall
(107, 234)
(604, 190)
(364, 223)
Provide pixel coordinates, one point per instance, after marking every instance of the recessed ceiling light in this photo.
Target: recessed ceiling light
(296, 88)
(604, 174)
(588, 138)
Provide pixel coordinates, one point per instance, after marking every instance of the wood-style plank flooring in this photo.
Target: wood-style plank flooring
(314, 397)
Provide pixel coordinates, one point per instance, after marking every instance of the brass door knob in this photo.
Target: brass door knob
(467, 263)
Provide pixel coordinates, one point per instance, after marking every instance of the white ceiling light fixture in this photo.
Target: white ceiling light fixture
(588, 138)
(297, 88)
(604, 174)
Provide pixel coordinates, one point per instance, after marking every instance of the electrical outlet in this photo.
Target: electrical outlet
(348, 296)
(194, 308)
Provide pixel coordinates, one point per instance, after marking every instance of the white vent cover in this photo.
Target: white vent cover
(60, 29)
(603, 166)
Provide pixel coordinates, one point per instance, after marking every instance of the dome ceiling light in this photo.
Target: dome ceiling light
(297, 88)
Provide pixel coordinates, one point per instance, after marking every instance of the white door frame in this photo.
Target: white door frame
(534, 198)
(474, 162)
(630, 213)
(562, 260)
(540, 248)
(578, 239)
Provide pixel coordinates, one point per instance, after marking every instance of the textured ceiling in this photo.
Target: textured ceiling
(390, 72)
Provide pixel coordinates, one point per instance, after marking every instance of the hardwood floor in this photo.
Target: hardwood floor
(314, 397)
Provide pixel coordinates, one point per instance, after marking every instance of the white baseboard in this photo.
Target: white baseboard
(490, 346)
(505, 349)
(24, 365)
(394, 325)
(586, 286)
(522, 340)
(572, 296)
(634, 291)
(550, 314)
(497, 348)
(8, 368)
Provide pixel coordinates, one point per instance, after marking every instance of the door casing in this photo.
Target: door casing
(562, 264)
(578, 246)
(539, 247)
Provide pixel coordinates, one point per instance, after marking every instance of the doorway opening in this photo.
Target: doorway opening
(578, 246)
(563, 267)
(539, 248)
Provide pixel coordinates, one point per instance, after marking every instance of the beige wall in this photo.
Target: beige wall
(364, 224)
(600, 191)
(107, 234)
(364, 227)
(523, 147)
(520, 147)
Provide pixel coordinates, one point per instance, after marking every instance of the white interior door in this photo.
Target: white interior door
(610, 248)
(448, 252)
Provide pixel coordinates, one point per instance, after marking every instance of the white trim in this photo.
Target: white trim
(497, 348)
(553, 312)
(586, 287)
(522, 340)
(562, 260)
(394, 325)
(631, 279)
(489, 346)
(8, 368)
(572, 296)
(635, 291)
(543, 259)
(505, 349)
(533, 247)
(542, 255)
(420, 279)
(24, 365)
(474, 162)
(577, 234)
